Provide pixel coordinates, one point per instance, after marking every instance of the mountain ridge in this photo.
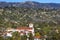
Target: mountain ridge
(30, 4)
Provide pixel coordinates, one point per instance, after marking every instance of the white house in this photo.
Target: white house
(21, 30)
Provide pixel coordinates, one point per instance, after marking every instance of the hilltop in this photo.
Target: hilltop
(30, 4)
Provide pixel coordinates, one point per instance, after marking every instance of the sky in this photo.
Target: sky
(41, 1)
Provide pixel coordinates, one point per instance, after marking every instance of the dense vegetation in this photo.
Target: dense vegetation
(46, 21)
(14, 16)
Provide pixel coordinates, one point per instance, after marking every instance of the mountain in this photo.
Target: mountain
(21, 13)
(30, 4)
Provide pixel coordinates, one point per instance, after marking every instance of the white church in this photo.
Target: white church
(21, 30)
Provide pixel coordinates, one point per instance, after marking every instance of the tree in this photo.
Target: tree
(38, 34)
(1, 38)
(24, 37)
(16, 36)
(8, 38)
(31, 36)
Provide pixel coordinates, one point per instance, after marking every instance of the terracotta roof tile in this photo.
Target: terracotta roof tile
(24, 28)
(37, 36)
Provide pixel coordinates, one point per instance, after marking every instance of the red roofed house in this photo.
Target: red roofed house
(22, 30)
(37, 38)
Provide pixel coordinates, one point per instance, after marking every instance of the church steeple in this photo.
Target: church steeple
(31, 25)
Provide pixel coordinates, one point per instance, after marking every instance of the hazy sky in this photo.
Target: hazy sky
(42, 1)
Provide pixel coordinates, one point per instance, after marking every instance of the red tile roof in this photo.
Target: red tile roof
(22, 32)
(24, 28)
(37, 36)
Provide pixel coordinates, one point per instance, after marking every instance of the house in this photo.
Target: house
(21, 30)
(37, 37)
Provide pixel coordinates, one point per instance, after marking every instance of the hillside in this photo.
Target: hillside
(13, 15)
